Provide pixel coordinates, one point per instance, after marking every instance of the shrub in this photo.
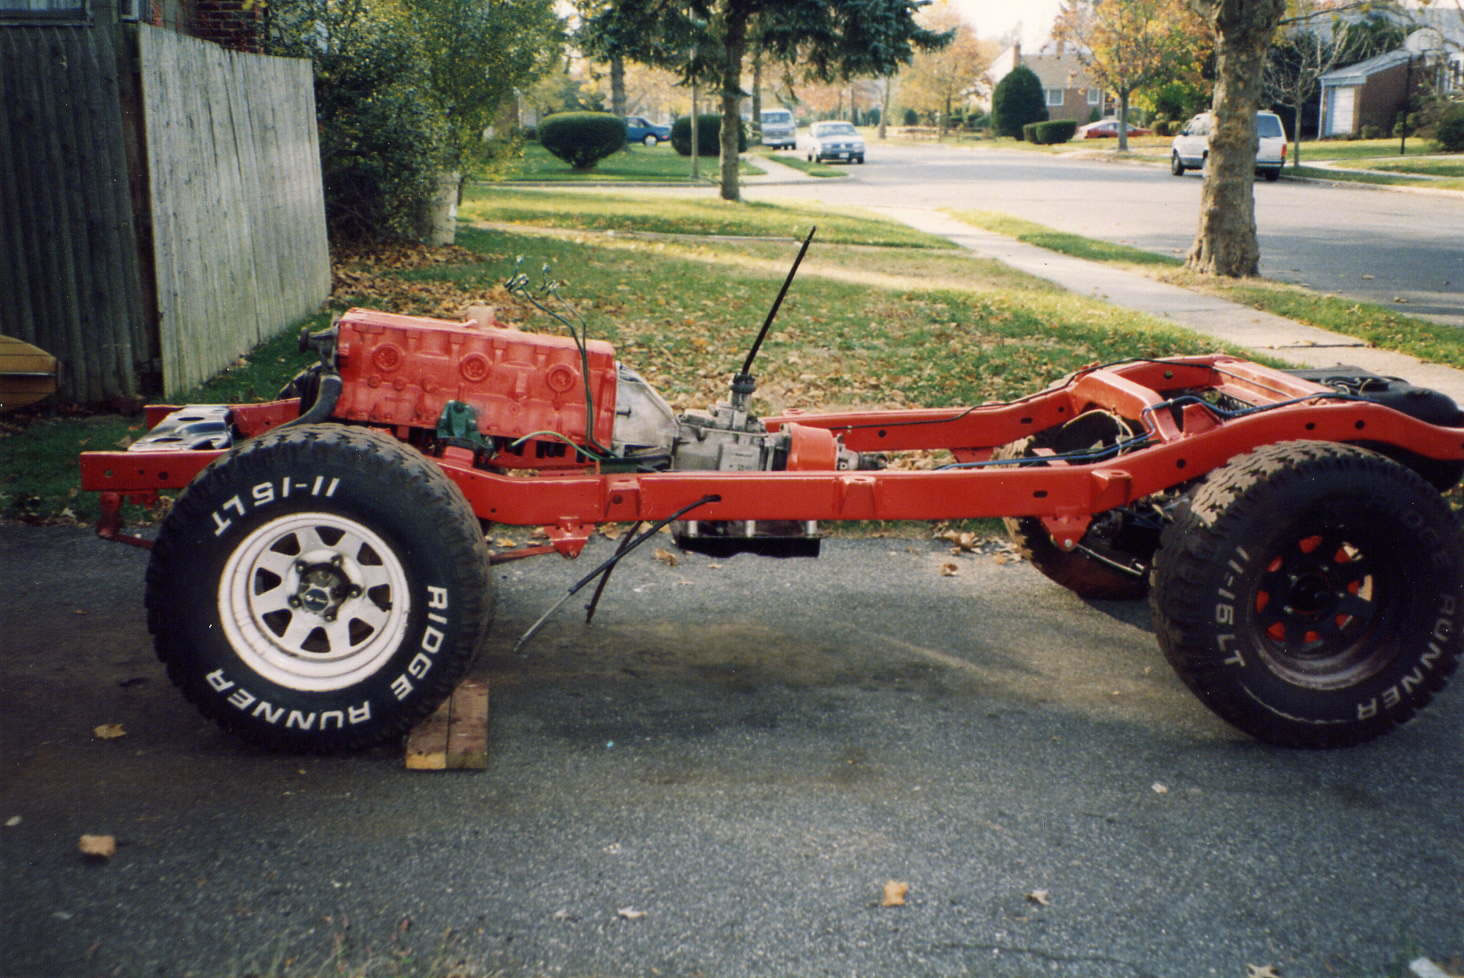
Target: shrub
(1051, 133)
(708, 135)
(1018, 100)
(912, 118)
(582, 139)
(1449, 131)
(1371, 131)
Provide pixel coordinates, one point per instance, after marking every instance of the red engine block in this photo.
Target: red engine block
(402, 370)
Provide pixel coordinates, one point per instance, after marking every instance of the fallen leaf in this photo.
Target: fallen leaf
(611, 531)
(1040, 897)
(894, 894)
(98, 846)
(109, 731)
(1261, 971)
(505, 542)
(628, 913)
(12, 821)
(949, 570)
(666, 557)
(1160, 789)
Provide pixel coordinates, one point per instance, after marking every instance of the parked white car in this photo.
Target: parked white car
(833, 140)
(1191, 148)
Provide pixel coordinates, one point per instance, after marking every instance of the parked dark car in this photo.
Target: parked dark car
(644, 131)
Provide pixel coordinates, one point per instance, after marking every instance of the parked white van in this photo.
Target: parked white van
(779, 129)
(1191, 148)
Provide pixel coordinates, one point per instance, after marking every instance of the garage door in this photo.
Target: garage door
(1340, 111)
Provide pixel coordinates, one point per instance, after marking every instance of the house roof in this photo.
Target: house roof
(1359, 73)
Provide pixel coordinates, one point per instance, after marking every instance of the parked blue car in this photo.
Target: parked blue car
(644, 131)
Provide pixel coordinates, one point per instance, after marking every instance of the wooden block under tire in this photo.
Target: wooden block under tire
(456, 736)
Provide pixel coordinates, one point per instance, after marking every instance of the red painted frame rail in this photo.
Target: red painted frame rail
(1185, 440)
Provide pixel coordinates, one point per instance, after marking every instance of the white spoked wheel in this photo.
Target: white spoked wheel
(314, 601)
(320, 588)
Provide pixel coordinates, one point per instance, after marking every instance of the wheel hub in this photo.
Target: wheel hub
(323, 587)
(1316, 603)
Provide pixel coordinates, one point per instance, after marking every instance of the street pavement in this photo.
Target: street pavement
(718, 777)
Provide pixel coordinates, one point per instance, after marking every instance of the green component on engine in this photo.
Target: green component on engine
(458, 425)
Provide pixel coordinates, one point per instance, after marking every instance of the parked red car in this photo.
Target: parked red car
(1108, 129)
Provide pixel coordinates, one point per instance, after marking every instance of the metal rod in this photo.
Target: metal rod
(620, 552)
(767, 323)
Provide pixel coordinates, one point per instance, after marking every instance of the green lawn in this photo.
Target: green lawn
(658, 212)
(904, 321)
(1330, 150)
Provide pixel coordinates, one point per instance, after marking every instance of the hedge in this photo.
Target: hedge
(708, 135)
(1048, 133)
(582, 139)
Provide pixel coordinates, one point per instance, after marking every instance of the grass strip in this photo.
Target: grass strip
(807, 166)
(1052, 239)
(1372, 176)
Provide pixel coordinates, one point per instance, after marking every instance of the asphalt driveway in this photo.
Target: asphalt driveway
(717, 778)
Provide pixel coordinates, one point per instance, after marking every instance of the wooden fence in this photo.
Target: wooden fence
(147, 240)
(238, 214)
(69, 271)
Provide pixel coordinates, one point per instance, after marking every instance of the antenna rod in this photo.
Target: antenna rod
(767, 323)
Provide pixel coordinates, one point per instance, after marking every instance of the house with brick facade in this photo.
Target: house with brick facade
(1372, 93)
(1069, 91)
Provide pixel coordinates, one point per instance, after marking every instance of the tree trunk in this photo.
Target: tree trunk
(884, 104)
(617, 85)
(734, 46)
(1296, 126)
(757, 95)
(1225, 243)
(1123, 102)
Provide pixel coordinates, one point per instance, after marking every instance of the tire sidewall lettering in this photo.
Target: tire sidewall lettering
(240, 505)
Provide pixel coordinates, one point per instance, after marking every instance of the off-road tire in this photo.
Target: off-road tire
(1075, 570)
(1312, 594)
(321, 589)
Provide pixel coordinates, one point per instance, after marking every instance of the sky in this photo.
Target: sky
(993, 18)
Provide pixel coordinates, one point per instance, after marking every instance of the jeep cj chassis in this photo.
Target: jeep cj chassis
(322, 582)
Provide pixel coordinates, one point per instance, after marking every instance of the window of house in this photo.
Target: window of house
(1095, 96)
(49, 11)
(1054, 96)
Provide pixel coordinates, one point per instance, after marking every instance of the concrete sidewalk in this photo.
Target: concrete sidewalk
(1306, 346)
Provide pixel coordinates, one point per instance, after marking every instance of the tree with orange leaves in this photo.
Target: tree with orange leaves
(1128, 45)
